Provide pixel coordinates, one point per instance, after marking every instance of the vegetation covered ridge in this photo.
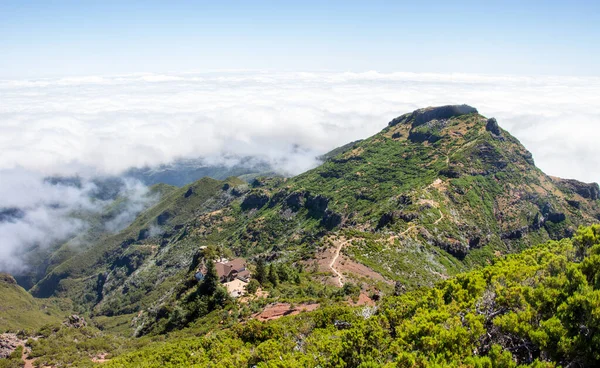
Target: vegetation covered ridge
(438, 192)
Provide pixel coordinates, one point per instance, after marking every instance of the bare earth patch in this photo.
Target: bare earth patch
(100, 358)
(363, 299)
(331, 260)
(278, 310)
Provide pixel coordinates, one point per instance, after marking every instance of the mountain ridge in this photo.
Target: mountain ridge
(438, 192)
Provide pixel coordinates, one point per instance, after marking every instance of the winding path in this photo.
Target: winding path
(441, 217)
(338, 276)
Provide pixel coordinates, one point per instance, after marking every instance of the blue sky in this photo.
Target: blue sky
(60, 38)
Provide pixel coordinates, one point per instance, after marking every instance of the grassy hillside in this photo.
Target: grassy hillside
(20, 311)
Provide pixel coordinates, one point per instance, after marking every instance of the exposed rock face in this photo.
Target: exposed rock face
(8, 344)
(455, 248)
(296, 200)
(589, 191)
(391, 217)
(491, 156)
(492, 127)
(255, 200)
(331, 219)
(277, 198)
(425, 115)
(514, 234)
(163, 217)
(316, 205)
(422, 116)
(188, 193)
(528, 158)
(75, 321)
(551, 215)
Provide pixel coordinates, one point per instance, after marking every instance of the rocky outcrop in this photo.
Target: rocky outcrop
(391, 217)
(189, 192)
(422, 116)
(454, 247)
(255, 200)
(75, 321)
(588, 191)
(491, 156)
(331, 220)
(316, 205)
(552, 215)
(8, 344)
(296, 200)
(493, 127)
(514, 234)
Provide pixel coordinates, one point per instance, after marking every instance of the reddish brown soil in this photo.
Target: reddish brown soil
(278, 310)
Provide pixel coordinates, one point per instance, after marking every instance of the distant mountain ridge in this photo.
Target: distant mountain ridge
(185, 171)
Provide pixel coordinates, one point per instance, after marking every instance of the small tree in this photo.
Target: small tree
(261, 271)
(210, 283)
(219, 298)
(273, 278)
(252, 286)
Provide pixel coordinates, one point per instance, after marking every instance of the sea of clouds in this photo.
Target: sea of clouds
(102, 125)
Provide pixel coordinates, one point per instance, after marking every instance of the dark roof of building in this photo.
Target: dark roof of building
(224, 269)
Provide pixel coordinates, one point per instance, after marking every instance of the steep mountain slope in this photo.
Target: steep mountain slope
(438, 191)
(145, 245)
(119, 209)
(20, 311)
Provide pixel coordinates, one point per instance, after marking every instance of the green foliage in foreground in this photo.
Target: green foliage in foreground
(540, 309)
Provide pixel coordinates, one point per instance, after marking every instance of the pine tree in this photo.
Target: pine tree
(211, 280)
(261, 272)
(273, 278)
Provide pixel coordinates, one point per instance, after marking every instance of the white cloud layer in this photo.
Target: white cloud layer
(104, 125)
(37, 213)
(107, 124)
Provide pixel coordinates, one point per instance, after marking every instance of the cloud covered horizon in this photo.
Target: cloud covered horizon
(103, 125)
